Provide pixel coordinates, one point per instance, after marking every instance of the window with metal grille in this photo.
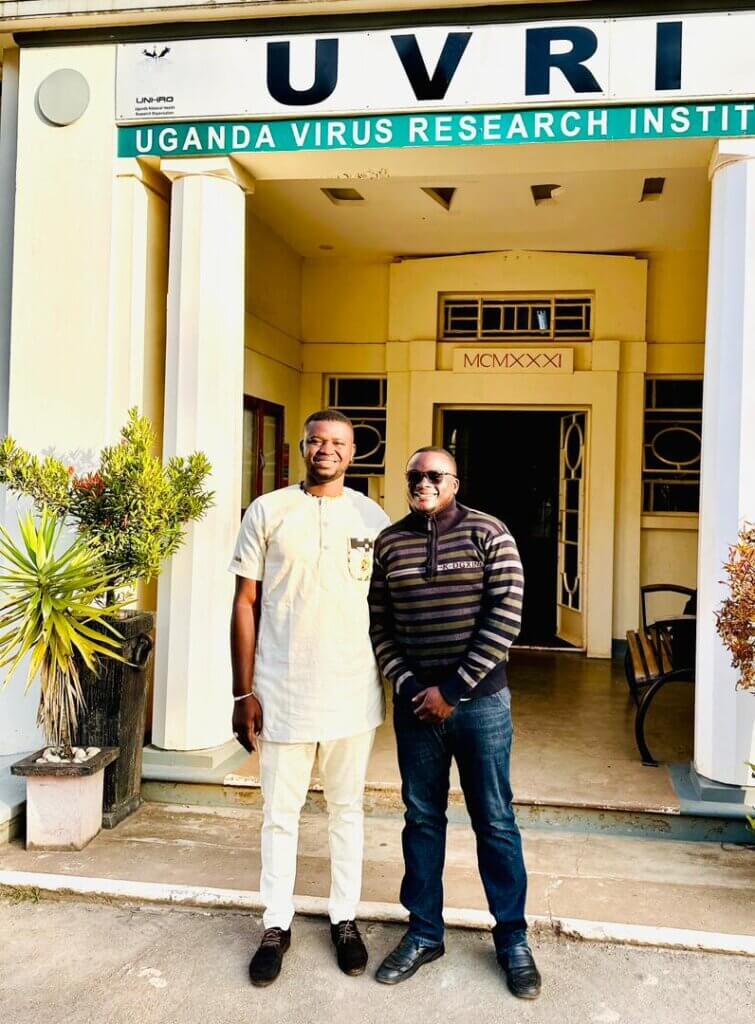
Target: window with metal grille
(672, 443)
(363, 400)
(503, 317)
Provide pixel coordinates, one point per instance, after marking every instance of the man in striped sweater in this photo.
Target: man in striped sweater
(445, 606)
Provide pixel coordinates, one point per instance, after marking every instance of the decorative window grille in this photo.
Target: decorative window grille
(503, 318)
(672, 444)
(363, 400)
(570, 510)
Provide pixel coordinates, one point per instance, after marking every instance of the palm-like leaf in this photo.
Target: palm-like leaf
(53, 601)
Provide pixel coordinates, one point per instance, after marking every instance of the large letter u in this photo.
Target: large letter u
(279, 73)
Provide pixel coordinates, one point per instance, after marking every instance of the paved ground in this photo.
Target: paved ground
(707, 887)
(79, 963)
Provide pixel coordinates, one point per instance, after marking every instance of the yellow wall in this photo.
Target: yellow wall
(62, 255)
(618, 283)
(669, 556)
(677, 286)
(273, 359)
(90, 274)
(345, 302)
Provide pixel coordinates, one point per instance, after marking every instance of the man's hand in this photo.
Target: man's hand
(247, 722)
(430, 706)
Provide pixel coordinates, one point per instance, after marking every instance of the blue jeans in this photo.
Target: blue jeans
(478, 735)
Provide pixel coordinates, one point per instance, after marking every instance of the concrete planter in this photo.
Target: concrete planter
(63, 801)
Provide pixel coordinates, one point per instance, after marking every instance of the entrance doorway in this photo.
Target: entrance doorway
(526, 467)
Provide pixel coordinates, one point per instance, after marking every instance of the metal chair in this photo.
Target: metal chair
(661, 652)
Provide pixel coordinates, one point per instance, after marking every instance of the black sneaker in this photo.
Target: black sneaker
(266, 962)
(351, 951)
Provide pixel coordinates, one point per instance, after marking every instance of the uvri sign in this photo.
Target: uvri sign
(479, 67)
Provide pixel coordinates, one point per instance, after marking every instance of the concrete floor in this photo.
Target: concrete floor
(574, 738)
(156, 966)
(651, 883)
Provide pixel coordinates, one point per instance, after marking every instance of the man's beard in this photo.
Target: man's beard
(320, 475)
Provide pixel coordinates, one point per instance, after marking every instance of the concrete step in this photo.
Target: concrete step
(574, 767)
(12, 800)
(640, 890)
(383, 799)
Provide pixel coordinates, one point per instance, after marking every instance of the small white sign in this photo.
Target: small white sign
(514, 360)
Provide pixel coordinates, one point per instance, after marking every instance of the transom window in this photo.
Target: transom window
(503, 317)
(363, 400)
(672, 444)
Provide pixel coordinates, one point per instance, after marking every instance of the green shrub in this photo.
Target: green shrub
(132, 510)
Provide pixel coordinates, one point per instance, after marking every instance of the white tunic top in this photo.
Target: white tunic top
(314, 670)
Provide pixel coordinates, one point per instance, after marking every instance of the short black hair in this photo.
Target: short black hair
(438, 450)
(327, 416)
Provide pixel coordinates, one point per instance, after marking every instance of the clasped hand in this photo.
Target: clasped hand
(431, 707)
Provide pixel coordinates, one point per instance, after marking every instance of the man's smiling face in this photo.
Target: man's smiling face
(431, 482)
(328, 449)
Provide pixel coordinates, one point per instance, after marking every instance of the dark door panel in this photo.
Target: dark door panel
(509, 467)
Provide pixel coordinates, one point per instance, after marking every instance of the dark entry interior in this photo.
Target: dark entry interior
(509, 467)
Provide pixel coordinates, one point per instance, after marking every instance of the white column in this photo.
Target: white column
(724, 716)
(18, 710)
(204, 384)
(8, 136)
(138, 284)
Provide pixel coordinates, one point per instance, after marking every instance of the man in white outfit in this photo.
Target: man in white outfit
(305, 682)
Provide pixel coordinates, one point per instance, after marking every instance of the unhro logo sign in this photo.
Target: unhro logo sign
(512, 360)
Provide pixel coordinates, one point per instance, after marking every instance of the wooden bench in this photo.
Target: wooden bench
(657, 654)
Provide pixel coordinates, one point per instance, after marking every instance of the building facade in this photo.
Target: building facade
(513, 230)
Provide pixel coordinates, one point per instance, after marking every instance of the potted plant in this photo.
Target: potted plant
(52, 603)
(735, 619)
(131, 511)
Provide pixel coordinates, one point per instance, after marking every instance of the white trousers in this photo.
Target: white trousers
(285, 770)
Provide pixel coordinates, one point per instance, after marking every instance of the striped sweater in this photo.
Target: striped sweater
(445, 602)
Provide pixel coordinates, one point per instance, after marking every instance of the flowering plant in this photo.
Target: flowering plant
(132, 510)
(735, 619)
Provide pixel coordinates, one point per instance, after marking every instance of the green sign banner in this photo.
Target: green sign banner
(418, 131)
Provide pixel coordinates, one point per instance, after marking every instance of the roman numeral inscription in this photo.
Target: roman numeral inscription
(486, 360)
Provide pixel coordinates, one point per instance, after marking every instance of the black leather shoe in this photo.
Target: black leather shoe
(522, 976)
(266, 962)
(406, 959)
(351, 951)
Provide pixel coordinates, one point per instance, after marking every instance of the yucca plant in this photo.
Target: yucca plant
(53, 598)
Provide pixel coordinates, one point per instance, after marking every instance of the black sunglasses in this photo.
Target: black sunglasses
(435, 476)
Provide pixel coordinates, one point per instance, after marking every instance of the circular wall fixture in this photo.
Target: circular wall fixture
(63, 96)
